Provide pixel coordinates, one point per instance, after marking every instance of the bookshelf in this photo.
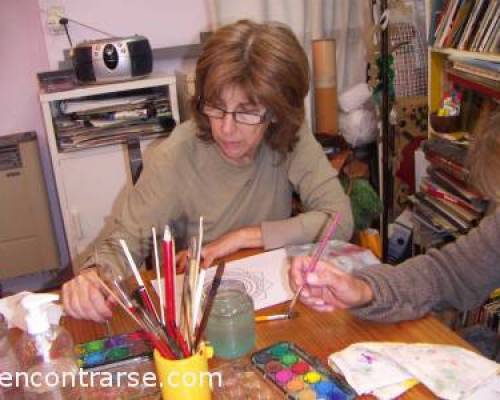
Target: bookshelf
(469, 72)
(456, 65)
(466, 30)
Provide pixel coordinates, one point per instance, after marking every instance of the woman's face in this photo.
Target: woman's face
(237, 141)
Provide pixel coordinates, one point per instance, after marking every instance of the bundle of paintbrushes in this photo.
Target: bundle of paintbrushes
(174, 336)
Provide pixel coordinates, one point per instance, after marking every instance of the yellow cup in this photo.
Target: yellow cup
(187, 378)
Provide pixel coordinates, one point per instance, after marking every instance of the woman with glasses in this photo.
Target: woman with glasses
(236, 163)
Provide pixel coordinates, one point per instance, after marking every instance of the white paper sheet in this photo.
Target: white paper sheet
(264, 275)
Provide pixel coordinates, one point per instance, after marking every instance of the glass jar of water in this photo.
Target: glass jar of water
(231, 323)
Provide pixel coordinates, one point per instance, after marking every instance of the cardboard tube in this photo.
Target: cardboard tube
(325, 85)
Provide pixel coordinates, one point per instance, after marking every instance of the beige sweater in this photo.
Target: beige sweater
(187, 178)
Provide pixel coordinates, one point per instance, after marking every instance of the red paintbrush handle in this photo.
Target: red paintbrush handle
(163, 348)
(182, 342)
(146, 301)
(168, 264)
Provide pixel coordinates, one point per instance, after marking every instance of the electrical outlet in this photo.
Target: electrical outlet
(54, 14)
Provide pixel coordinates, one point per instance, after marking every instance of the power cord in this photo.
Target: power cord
(64, 22)
(74, 21)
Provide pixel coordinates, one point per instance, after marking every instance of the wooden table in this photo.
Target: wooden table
(318, 333)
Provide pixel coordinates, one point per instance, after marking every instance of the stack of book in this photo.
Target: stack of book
(90, 122)
(487, 315)
(482, 74)
(445, 203)
(471, 25)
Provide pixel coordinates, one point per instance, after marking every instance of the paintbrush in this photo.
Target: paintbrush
(185, 326)
(122, 304)
(148, 323)
(330, 231)
(141, 291)
(209, 302)
(161, 293)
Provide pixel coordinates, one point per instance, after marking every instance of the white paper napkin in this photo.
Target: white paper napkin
(386, 369)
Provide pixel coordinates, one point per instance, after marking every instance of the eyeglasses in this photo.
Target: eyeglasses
(241, 117)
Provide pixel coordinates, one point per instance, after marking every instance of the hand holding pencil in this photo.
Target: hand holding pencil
(327, 288)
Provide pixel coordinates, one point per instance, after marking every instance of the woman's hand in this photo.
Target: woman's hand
(223, 246)
(328, 288)
(84, 297)
(231, 242)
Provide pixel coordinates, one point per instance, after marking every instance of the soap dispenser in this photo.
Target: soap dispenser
(46, 353)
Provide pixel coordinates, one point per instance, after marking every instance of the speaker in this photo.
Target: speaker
(112, 60)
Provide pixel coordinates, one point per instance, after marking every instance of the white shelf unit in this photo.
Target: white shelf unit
(92, 182)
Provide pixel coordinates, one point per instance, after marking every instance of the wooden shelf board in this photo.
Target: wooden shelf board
(495, 57)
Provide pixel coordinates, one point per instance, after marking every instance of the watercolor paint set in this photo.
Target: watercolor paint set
(112, 349)
(299, 375)
(123, 380)
(241, 380)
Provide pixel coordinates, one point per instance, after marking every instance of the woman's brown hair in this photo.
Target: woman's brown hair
(484, 158)
(267, 61)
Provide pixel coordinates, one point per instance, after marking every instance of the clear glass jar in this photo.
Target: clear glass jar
(231, 323)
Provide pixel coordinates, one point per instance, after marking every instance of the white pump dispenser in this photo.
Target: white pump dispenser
(37, 320)
(47, 352)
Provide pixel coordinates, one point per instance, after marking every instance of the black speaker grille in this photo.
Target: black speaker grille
(141, 57)
(82, 62)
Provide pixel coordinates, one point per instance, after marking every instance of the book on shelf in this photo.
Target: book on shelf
(438, 7)
(447, 23)
(435, 190)
(458, 24)
(495, 44)
(484, 25)
(472, 24)
(491, 30)
(450, 167)
(455, 186)
(487, 69)
(465, 25)
(487, 315)
(487, 87)
(433, 221)
(463, 213)
(438, 207)
(446, 149)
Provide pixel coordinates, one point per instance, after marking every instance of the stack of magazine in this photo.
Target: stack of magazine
(92, 122)
(445, 203)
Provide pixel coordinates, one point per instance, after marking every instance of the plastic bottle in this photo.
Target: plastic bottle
(46, 354)
(8, 362)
